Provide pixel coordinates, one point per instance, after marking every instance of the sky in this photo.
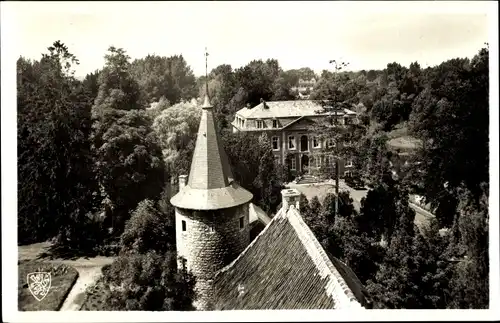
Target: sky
(367, 35)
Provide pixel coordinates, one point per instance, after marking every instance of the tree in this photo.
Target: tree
(258, 79)
(450, 117)
(148, 282)
(148, 229)
(91, 83)
(266, 181)
(168, 77)
(247, 153)
(378, 215)
(56, 189)
(128, 159)
(176, 129)
(469, 284)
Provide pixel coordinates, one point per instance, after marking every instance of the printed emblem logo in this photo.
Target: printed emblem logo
(39, 284)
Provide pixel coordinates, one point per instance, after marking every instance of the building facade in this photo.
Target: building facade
(289, 125)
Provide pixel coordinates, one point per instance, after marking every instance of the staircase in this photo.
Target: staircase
(308, 179)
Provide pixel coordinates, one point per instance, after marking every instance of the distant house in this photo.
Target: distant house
(288, 124)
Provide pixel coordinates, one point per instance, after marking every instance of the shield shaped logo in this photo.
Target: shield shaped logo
(39, 284)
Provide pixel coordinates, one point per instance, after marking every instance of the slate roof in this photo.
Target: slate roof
(285, 267)
(210, 184)
(285, 109)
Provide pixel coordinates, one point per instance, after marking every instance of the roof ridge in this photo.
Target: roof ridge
(322, 262)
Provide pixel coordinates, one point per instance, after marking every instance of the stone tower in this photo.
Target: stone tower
(211, 211)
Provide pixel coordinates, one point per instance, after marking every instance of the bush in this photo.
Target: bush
(148, 230)
(147, 282)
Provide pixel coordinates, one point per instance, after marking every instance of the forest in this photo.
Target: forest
(97, 156)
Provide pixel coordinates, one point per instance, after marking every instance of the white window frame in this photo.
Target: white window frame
(347, 173)
(330, 143)
(260, 124)
(294, 143)
(293, 164)
(317, 141)
(349, 163)
(275, 123)
(277, 143)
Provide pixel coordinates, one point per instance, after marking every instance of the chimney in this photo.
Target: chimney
(182, 181)
(291, 197)
(263, 103)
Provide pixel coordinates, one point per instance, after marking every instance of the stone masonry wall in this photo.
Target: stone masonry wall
(212, 240)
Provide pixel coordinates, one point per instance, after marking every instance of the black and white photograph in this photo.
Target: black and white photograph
(186, 160)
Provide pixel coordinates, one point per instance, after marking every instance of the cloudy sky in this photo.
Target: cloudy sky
(368, 35)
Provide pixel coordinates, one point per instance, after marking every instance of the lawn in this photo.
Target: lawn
(62, 280)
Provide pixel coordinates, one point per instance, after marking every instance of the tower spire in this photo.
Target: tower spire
(210, 183)
(206, 104)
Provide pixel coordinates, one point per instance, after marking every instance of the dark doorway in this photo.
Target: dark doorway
(304, 143)
(304, 164)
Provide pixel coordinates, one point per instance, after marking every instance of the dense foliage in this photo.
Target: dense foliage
(53, 150)
(98, 154)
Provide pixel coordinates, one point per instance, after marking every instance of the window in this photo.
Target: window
(291, 143)
(318, 161)
(347, 120)
(183, 225)
(275, 123)
(347, 143)
(277, 160)
(330, 160)
(316, 143)
(347, 173)
(276, 143)
(330, 143)
(349, 163)
(293, 162)
(242, 222)
(259, 124)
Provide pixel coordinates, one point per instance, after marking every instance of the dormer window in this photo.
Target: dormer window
(260, 124)
(275, 123)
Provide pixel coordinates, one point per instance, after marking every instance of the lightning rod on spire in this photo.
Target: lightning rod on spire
(206, 70)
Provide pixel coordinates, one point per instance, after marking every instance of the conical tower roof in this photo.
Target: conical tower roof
(210, 184)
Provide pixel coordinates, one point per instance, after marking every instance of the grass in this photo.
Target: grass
(404, 142)
(62, 280)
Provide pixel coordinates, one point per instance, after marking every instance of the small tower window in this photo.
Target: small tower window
(242, 222)
(183, 225)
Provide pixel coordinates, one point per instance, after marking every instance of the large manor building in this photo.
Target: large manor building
(284, 265)
(288, 125)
